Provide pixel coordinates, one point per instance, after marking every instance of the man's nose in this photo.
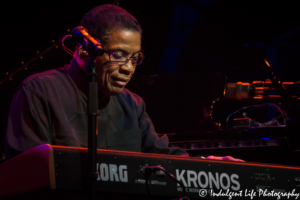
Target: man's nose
(127, 68)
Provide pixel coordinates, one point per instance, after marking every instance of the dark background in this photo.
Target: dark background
(196, 37)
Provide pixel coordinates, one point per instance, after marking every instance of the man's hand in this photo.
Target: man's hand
(224, 158)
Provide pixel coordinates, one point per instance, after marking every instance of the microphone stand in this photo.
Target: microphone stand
(287, 100)
(293, 110)
(92, 111)
(93, 47)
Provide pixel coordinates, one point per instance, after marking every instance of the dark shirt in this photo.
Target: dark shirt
(50, 107)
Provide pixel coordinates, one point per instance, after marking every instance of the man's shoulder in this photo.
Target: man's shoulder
(45, 77)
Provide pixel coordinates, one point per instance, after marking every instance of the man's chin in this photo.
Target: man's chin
(115, 91)
(111, 91)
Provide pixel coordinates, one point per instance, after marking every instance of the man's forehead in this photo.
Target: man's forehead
(124, 40)
(124, 36)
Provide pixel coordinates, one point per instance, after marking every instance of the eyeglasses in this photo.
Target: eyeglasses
(120, 58)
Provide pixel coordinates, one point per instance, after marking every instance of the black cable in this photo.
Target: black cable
(148, 170)
(284, 115)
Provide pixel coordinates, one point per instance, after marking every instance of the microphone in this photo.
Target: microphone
(92, 46)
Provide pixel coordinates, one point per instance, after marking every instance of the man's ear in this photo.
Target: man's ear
(80, 57)
(83, 54)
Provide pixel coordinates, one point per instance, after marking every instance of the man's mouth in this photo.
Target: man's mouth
(121, 81)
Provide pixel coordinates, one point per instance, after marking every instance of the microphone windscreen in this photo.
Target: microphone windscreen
(77, 33)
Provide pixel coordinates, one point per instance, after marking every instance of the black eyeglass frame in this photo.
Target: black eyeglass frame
(138, 62)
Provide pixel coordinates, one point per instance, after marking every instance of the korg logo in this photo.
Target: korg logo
(208, 180)
(111, 172)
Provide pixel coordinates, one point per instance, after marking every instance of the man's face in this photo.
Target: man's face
(112, 77)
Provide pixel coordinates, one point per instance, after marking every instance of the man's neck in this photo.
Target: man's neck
(103, 99)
